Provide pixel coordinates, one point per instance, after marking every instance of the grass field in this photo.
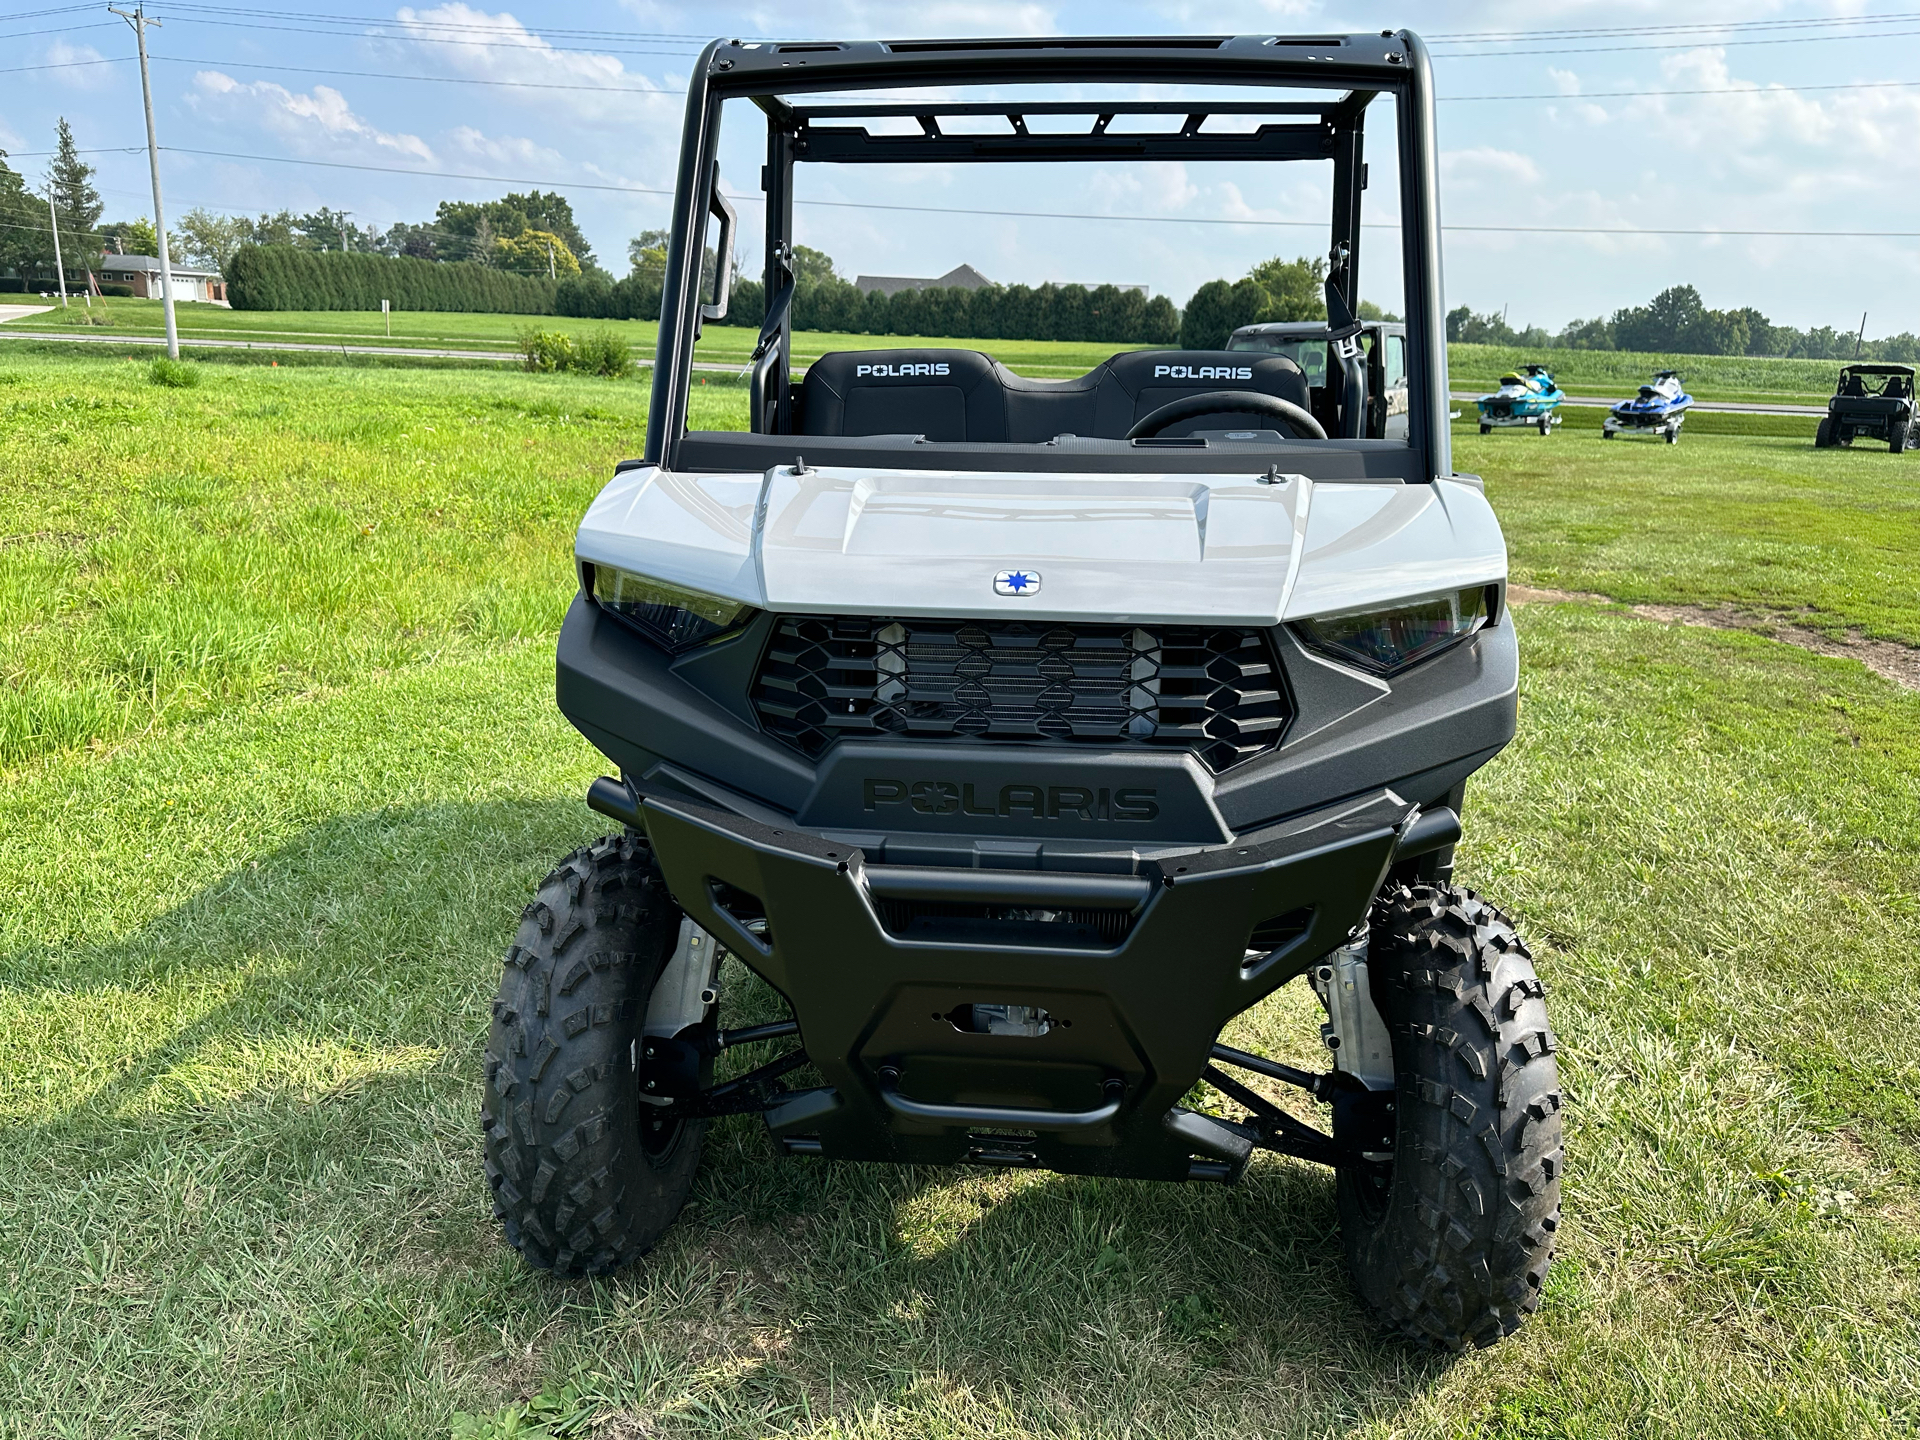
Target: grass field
(1619, 374)
(722, 344)
(281, 765)
(1474, 367)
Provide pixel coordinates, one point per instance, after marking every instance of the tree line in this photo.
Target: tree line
(281, 277)
(826, 301)
(1678, 322)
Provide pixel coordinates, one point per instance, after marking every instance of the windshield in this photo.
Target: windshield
(1057, 266)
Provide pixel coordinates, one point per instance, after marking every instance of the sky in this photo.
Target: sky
(1562, 153)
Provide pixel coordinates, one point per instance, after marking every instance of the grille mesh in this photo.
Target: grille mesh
(1213, 690)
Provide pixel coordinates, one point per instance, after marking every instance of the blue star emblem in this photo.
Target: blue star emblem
(1016, 582)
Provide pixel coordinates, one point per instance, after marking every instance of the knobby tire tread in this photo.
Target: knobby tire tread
(577, 1190)
(1456, 1253)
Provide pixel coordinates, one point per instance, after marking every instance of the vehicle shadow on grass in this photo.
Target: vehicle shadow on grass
(366, 934)
(318, 1013)
(1088, 1304)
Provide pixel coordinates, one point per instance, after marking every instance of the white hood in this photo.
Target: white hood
(1182, 548)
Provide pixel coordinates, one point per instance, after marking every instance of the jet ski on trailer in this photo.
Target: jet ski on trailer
(1659, 408)
(1526, 396)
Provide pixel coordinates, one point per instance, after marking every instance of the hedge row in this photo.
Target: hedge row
(279, 277)
(1012, 312)
(998, 312)
(588, 298)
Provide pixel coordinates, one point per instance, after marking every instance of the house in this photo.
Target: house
(963, 277)
(142, 272)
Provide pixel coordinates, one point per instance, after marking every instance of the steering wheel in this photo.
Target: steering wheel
(1300, 424)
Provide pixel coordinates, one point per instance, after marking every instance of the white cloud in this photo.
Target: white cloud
(1158, 187)
(87, 72)
(1565, 81)
(319, 122)
(505, 153)
(1485, 163)
(500, 47)
(866, 19)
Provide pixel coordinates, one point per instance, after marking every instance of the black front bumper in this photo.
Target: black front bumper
(1133, 1018)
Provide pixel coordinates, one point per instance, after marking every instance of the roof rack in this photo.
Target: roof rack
(1189, 140)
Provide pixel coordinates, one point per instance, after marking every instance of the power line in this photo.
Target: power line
(1680, 45)
(1762, 91)
(1710, 27)
(1620, 231)
(748, 199)
(531, 44)
(57, 30)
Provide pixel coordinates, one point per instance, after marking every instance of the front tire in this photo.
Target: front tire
(584, 1175)
(1823, 436)
(1450, 1244)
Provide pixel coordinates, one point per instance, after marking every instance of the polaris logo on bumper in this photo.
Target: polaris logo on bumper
(1203, 372)
(1037, 802)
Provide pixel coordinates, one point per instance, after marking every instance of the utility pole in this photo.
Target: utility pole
(1861, 338)
(137, 18)
(550, 260)
(59, 265)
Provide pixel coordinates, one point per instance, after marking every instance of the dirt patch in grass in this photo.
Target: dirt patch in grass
(1888, 658)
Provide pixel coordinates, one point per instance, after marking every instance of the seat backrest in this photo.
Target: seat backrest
(1133, 385)
(1855, 386)
(945, 395)
(1898, 388)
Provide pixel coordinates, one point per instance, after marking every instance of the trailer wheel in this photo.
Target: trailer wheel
(583, 1176)
(1673, 435)
(1450, 1244)
(1485, 429)
(1606, 434)
(1546, 425)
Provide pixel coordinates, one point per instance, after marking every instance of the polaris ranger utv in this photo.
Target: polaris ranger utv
(1021, 733)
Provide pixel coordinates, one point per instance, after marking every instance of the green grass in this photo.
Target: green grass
(253, 925)
(1474, 367)
(1828, 539)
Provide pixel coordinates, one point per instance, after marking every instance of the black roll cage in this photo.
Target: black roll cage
(1365, 66)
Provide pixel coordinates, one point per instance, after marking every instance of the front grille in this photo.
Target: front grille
(1213, 690)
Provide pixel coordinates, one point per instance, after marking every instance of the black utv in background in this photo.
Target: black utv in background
(1874, 402)
(1374, 380)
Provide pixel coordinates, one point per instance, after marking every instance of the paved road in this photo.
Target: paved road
(20, 312)
(10, 333)
(415, 352)
(1725, 407)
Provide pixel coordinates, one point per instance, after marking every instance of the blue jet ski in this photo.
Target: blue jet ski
(1526, 396)
(1659, 408)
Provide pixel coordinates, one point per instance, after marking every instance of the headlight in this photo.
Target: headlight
(667, 614)
(1388, 641)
